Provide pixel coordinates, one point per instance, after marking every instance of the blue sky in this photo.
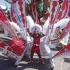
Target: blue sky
(2, 2)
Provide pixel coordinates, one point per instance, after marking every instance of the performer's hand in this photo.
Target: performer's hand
(36, 44)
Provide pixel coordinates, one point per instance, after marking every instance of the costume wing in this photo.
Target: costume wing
(15, 26)
(30, 22)
(45, 26)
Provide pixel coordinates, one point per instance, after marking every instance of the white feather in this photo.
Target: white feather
(45, 26)
(15, 26)
(30, 22)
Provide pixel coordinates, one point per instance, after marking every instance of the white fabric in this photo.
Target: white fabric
(45, 49)
(30, 22)
(29, 44)
(15, 26)
(46, 25)
(64, 41)
(62, 24)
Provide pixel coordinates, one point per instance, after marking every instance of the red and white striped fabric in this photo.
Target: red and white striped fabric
(18, 7)
(5, 21)
(63, 10)
(59, 9)
(65, 31)
(15, 49)
(19, 10)
(68, 12)
(53, 10)
(34, 11)
(12, 14)
(21, 6)
(63, 52)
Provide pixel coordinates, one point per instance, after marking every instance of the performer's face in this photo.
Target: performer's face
(36, 33)
(46, 14)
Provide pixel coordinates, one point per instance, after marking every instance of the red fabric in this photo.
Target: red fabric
(62, 51)
(36, 44)
(35, 49)
(34, 11)
(2, 44)
(37, 41)
(58, 10)
(17, 46)
(65, 31)
(64, 7)
(13, 16)
(5, 21)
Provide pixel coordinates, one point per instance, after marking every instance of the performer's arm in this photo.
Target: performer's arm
(31, 34)
(42, 35)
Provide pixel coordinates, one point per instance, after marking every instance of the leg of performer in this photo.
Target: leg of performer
(39, 55)
(31, 57)
(32, 53)
(50, 55)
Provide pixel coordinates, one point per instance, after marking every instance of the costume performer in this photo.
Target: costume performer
(36, 34)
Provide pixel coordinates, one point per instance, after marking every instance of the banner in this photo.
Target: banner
(63, 52)
(63, 10)
(53, 10)
(4, 20)
(65, 31)
(19, 11)
(34, 12)
(15, 49)
(68, 13)
(12, 14)
(59, 10)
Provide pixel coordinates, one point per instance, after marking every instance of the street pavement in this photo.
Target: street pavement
(61, 63)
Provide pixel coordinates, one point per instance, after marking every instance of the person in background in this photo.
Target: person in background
(44, 18)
